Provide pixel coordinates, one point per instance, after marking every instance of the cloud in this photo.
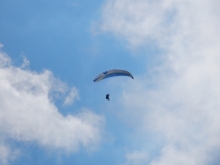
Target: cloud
(7, 154)
(136, 158)
(137, 21)
(177, 102)
(28, 112)
(73, 94)
(25, 63)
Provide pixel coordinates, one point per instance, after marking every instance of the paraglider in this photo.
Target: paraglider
(112, 73)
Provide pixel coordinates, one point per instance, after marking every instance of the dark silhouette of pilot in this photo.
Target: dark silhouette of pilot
(107, 97)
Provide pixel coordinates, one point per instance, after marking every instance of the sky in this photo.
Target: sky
(51, 111)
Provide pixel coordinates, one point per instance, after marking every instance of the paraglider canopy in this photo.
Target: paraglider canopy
(112, 73)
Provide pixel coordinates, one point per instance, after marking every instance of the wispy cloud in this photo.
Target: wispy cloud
(7, 154)
(136, 158)
(27, 112)
(71, 97)
(25, 63)
(183, 106)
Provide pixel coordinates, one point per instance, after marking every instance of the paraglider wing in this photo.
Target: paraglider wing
(112, 73)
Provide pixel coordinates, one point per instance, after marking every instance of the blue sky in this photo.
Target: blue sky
(51, 111)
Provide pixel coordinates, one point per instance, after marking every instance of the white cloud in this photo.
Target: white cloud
(25, 63)
(136, 158)
(7, 154)
(137, 21)
(28, 112)
(178, 102)
(73, 94)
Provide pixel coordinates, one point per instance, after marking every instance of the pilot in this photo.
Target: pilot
(107, 97)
